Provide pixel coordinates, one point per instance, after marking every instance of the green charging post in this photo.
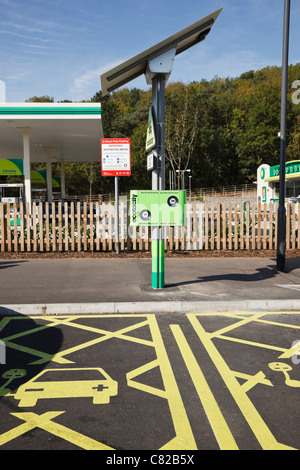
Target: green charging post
(156, 64)
(157, 209)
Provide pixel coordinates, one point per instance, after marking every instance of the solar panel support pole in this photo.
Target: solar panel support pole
(281, 230)
(158, 178)
(117, 214)
(157, 74)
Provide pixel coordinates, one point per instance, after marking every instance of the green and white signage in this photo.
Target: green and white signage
(150, 139)
(11, 167)
(291, 168)
(40, 177)
(157, 208)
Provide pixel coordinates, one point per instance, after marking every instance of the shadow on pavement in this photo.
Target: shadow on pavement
(291, 264)
(260, 274)
(10, 264)
(27, 345)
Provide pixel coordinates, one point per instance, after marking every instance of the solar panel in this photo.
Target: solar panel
(136, 66)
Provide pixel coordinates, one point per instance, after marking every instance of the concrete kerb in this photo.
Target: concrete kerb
(150, 307)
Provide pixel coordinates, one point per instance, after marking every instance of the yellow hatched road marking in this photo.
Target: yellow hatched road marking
(249, 343)
(286, 353)
(252, 416)
(60, 356)
(242, 322)
(184, 439)
(252, 380)
(44, 421)
(219, 426)
(140, 386)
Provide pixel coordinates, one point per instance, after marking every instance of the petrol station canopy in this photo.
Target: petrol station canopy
(72, 131)
(50, 132)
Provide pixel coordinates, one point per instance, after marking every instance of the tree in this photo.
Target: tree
(221, 129)
(180, 126)
(40, 99)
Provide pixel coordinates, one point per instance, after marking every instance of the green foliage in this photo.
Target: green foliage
(40, 99)
(222, 129)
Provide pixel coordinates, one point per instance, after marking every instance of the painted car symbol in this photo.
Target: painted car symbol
(54, 383)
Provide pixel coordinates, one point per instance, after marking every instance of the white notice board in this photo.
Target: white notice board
(115, 157)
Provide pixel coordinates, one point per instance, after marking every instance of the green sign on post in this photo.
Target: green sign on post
(157, 209)
(150, 139)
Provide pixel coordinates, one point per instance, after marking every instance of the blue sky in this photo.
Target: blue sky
(61, 47)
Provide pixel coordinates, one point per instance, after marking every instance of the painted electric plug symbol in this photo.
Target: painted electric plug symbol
(285, 368)
(11, 375)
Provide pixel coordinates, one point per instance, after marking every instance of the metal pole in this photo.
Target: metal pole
(117, 214)
(158, 178)
(155, 230)
(281, 231)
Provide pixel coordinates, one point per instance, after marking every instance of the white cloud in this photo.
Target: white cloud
(91, 79)
(206, 64)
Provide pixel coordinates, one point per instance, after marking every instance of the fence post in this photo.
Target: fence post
(3, 220)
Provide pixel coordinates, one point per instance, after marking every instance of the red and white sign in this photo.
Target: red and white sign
(115, 157)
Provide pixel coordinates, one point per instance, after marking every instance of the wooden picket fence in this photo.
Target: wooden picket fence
(84, 226)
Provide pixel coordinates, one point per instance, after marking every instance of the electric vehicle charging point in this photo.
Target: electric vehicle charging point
(156, 64)
(157, 209)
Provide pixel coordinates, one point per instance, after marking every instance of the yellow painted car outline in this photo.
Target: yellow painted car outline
(100, 390)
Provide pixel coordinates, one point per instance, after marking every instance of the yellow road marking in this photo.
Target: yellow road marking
(140, 386)
(290, 352)
(219, 426)
(252, 380)
(45, 422)
(255, 421)
(250, 343)
(184, 439)
(238, 324)
(60, 356)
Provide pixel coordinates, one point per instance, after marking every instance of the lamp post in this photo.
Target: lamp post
(190, 187)
(281, 231)
(181, 173)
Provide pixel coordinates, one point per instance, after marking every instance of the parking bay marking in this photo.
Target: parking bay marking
(184, 438)
(45, 422)
(221, 430)
(251, 414)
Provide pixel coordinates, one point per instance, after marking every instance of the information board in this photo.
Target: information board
(157, 208)
(115, 157)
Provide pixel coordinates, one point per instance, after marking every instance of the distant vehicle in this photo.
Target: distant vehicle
(294, 200)
(68, 383)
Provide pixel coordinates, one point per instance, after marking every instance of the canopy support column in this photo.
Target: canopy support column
(63, 179)
(49, 174)
(26, 156)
